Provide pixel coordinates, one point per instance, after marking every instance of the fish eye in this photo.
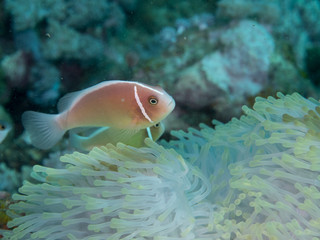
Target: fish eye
(153, 100)
(2, 127)
(157, 125)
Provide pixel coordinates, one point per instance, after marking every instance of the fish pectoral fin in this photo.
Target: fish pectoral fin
(96, 137)
(149, 133)
(103, 136)
(121, 135)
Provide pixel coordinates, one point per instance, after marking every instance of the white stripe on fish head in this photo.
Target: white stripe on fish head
(152, 89)
(143, 111)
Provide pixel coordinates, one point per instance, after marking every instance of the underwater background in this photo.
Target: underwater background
(251, 173)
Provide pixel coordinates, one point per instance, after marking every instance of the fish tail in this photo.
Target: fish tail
(44, 129)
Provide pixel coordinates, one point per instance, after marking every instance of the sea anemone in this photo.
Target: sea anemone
(257, 177)
(112, 193)
(264, 169)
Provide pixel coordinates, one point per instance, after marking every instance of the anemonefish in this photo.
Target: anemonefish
(104, 135)
(130, 106)
(5, 128)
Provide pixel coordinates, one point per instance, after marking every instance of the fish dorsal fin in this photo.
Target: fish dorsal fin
(66, 101)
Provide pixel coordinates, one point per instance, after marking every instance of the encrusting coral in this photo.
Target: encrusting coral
(257, 177)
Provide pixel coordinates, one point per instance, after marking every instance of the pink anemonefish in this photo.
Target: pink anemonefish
(5, 128)
(125, 105)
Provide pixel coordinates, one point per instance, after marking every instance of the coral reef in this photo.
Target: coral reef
(73, 14)
(16, 68)
(236, 57)
(28, 41)
(5, 200)
(66, 26)
(44, 84)
(65, 42)
(291, 20)
(225, 73)
(230, 65)
(9, 179)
